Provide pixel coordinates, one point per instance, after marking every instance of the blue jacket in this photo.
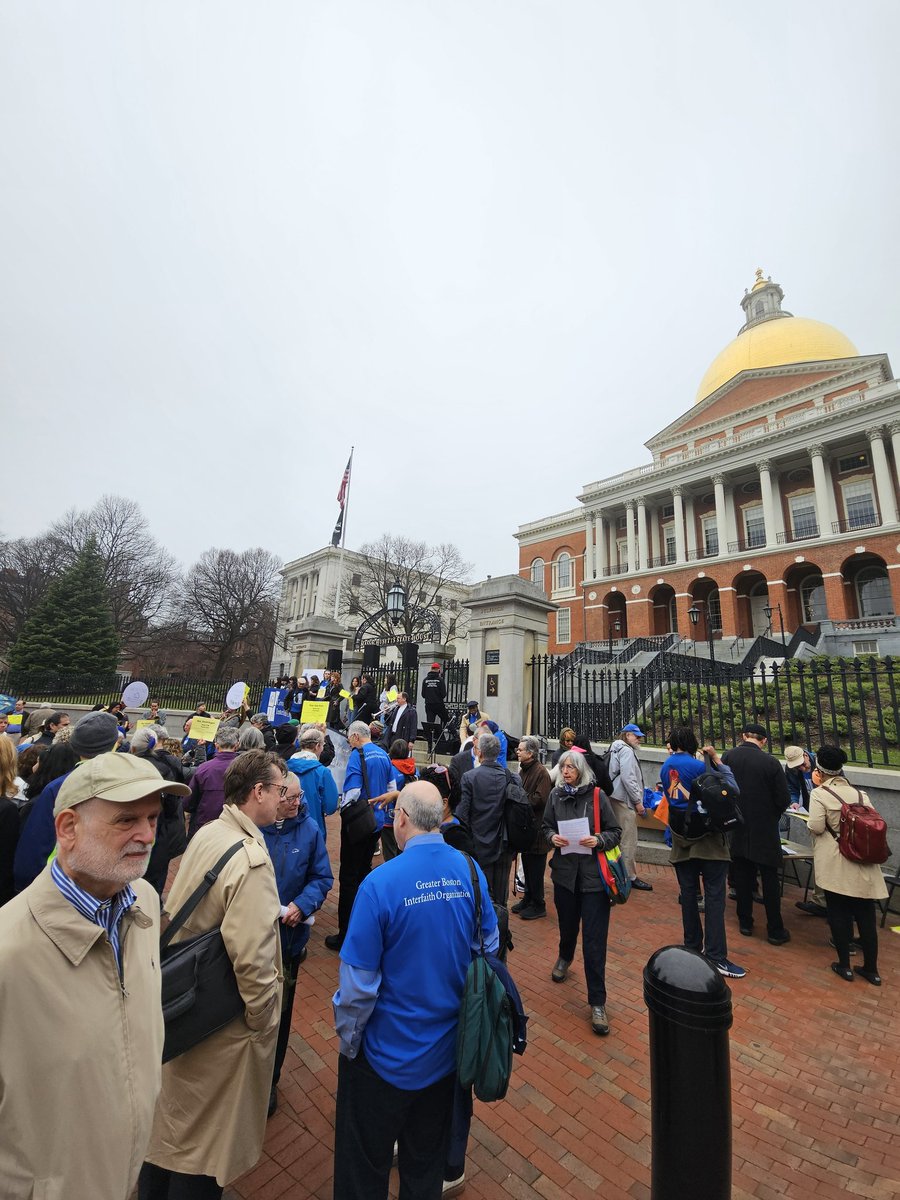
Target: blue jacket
(302, 872)
(381, 773)
(320, 792)
(37, 840)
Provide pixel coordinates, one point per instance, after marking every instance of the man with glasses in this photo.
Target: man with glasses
(211, 1117)
(403, 970)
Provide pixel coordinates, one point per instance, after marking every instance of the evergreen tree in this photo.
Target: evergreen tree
(72, 628)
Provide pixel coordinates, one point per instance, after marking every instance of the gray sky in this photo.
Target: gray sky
(493, 244)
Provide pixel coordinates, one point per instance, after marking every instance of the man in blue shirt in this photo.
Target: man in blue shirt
(403, 970)
(370, 773)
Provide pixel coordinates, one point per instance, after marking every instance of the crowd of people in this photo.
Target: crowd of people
(94, 813)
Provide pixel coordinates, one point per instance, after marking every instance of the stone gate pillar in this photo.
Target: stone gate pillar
(507, 625)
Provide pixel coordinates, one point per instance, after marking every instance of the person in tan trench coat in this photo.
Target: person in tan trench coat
(851, 889)
(211, 1116)
(81, 1028)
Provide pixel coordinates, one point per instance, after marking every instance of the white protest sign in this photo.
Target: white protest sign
(135, 695)
(235, 697)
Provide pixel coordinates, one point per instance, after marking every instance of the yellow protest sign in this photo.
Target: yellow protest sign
(15, 722)
(144, 724)
(314, 712)
(204, 729)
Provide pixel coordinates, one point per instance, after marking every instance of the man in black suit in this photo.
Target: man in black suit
(404, 724)
(756, 844)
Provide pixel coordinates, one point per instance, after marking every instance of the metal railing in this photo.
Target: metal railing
(800, 534)
(851, 524)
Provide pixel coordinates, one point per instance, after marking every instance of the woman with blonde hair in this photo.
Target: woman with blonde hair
(9, 817)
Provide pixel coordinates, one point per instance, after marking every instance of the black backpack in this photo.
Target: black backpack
(521, 829)
(712, 806)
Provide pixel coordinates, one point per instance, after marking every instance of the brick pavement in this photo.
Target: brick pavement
(815, 1072)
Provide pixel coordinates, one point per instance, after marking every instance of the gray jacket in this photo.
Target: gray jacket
(482, 808)
(565, 869)
(625, 772)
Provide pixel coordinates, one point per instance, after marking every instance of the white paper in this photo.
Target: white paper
(573, 831)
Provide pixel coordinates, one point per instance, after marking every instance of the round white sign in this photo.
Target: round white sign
(235, 697)
(135, 694)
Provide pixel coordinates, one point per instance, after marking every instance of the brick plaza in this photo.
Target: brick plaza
(815, 1071)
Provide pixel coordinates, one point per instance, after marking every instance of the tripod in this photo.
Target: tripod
(453, 720)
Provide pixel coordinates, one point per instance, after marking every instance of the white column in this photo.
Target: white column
(731, 515)
(894, 428)
(655, 534)
(824, 496)
(765, 487)
(632, 548)
(601, 562)
(887, 504)
(690, 522)
(643, 544)
(589, 571)
(678, 505)
(777, 508)
(721, 518)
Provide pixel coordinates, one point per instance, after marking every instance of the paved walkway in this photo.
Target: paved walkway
(815, 1072)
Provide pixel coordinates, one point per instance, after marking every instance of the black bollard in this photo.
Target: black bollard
(690, 1076)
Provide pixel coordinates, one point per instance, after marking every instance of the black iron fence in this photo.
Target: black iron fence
(66, 688)
(455, 674)
(848, 702)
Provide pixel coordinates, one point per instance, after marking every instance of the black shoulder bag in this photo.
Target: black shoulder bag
(357, 818)
(199, 991)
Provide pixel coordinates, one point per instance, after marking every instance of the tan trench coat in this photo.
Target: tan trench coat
(834, 873)
(211, 1115)
(79, 1050)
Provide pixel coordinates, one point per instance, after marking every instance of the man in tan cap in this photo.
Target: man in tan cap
(82, 1031)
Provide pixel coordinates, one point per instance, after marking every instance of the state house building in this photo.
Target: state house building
(772, 500)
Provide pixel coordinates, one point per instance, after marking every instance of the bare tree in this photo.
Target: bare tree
(27, 567)
(228, 601)
(422, 571)
(140, 573)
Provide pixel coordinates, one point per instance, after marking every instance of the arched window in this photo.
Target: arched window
(873, 592)
(564, 571)
(537, 572)
(812, 599)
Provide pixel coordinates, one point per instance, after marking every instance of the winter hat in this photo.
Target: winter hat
(97, 733)
(286, 734)
(118, 777)
(830, 760)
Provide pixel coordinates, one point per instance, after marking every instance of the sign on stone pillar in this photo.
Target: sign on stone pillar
(507, 625)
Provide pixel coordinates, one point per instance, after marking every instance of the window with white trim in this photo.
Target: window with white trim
(304, 595)
(754, 525)
(710, 536)
(537, 572)
(622, 554)
(563, 573)
(859, 504)
(563, 626)
(668, 535)
(867, 647)
(804, 520)
(873, 592)
(812, 598)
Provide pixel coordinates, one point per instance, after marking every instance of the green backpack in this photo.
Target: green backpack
(484, 1040)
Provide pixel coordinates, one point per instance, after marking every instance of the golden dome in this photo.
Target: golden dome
(774, 343)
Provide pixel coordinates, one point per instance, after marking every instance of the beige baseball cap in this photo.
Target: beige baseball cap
(117, 777)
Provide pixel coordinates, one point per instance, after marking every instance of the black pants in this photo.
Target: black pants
(497, 876)
(533, 868)
(713, 873)
(590, 910)
(744, 881)
(157, 1183)
(842, 912)
(356, 863)
(371, 1115)
(291, 967)
(435, 719)
(459, 1132)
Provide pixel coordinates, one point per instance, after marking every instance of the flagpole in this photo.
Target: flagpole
(337, 594)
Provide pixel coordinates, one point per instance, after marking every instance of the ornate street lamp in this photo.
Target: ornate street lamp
(396, 603)
(768, 610)
(694, 615)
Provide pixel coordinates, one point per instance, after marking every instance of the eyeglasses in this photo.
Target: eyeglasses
(282, 788)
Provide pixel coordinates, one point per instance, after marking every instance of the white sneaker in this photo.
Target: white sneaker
(453, 1187)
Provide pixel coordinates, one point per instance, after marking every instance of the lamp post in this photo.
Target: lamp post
(614, 627)
(396, 603)
(694, 615)
(768, 610)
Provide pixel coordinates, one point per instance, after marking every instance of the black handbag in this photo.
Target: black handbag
(358, 817)
(199, 991)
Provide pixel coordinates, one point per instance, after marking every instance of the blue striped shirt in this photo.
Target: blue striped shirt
(105, 913)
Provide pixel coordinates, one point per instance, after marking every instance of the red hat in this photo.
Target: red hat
(435, 666)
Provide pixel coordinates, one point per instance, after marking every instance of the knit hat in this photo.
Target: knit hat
(830, 760)
(118, 777)
(286, 734)
(96, 733)
(793, 755)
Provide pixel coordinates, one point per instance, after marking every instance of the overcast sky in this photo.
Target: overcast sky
(492, 243)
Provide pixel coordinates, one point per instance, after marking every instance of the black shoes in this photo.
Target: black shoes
(560, 971)
(641, 885)
(813, 909)
(779, 939)
(520, 907)
(747, 930)
(334, 941)
(532, 913)
(273, 1102)
(870, 976)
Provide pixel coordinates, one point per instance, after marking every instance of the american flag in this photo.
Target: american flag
(342, 490)
(341, 498)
